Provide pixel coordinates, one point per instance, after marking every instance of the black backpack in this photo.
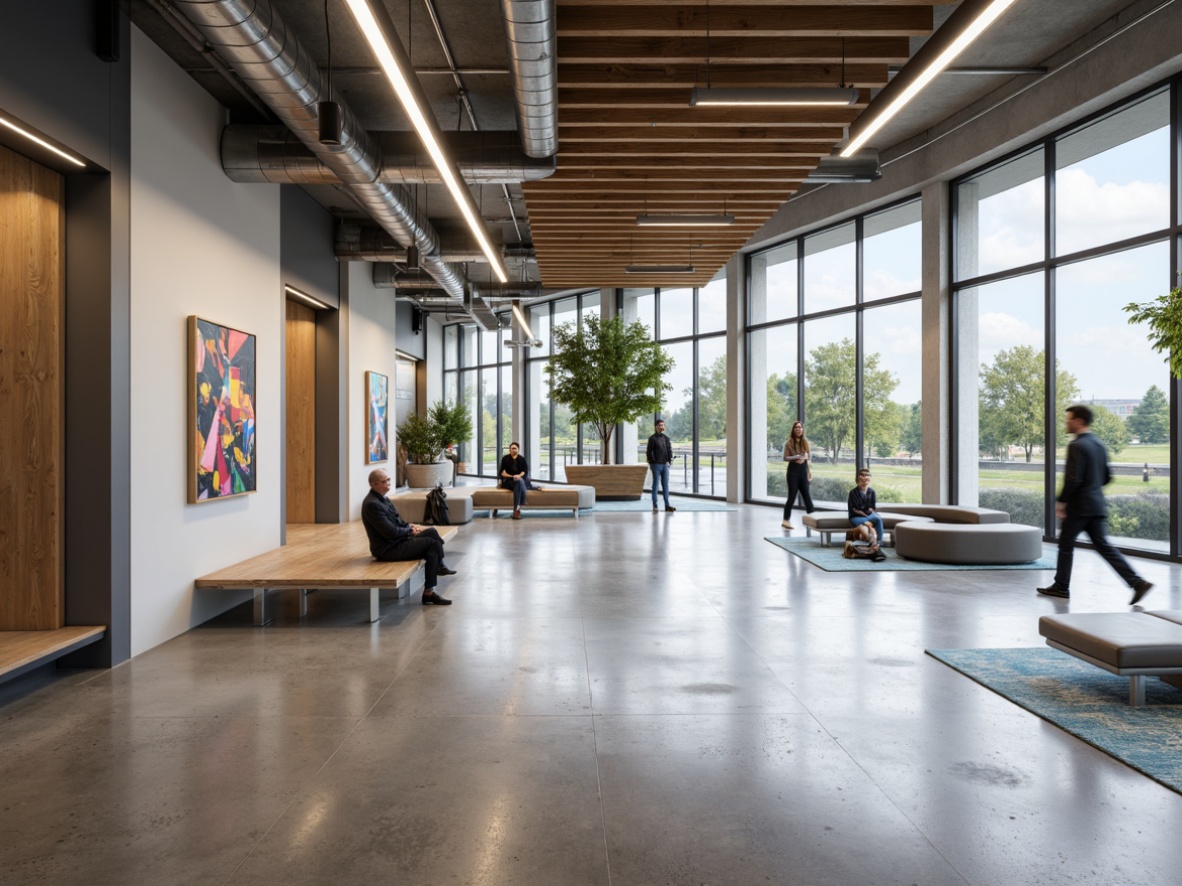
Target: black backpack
(435, 511)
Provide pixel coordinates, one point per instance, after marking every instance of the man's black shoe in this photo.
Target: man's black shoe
(430, 597)
(1055, 590)
(670, 508)
(443, 570)
(1140, 589)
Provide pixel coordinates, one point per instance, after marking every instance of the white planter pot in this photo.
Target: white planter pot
(427, 476)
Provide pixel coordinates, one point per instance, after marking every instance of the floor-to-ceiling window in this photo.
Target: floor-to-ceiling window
(833, 339)
(477, 371)
(1050, 245)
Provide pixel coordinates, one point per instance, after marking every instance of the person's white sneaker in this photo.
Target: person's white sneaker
(787, 525)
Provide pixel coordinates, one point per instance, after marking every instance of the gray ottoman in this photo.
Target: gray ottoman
(968, 543)
(412, 505)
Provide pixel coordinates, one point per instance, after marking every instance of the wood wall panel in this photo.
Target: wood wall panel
(301, 414)
(32, 273)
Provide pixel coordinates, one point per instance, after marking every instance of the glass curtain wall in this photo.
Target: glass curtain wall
(833, 339)
(1050, 245)
(477, 371)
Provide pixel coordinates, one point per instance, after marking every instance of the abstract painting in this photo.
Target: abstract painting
(222, 364)
(377, 419)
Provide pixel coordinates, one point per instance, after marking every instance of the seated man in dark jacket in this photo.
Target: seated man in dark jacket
(392, 538)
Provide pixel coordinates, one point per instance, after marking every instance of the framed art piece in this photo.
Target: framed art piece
(377, 417)
(222, 371)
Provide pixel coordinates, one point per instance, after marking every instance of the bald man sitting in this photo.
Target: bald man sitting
(392, 538)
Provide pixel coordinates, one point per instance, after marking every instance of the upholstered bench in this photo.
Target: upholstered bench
(1129, 644)
(951, 513)
(827, 523)
(968, 543)
(548, 498)
(412, 504)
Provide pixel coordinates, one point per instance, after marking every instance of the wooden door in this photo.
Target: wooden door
(32, 273)
(301, 414)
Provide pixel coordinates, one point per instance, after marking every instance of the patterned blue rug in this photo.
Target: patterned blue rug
(1085, 701)
(830, 559)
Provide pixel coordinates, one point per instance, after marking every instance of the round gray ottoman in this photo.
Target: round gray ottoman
(968, 543)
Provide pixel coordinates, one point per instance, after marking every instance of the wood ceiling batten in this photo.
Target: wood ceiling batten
(630, 144)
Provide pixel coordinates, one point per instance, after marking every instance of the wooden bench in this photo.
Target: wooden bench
(22, 651)
(318, 557)
(552, 497)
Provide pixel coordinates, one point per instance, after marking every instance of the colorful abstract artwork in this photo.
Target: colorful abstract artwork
(222, 363)
(377, 418)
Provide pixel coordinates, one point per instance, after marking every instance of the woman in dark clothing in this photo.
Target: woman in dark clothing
(514, 473)
(798, 454)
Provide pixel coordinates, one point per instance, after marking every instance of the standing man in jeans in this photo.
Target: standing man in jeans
(660, 456)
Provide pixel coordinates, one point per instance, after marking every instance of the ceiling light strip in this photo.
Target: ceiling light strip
(755, 96)
(684, 221)
(379, 32)
(658, 269)
(40, 141)
(970, 20)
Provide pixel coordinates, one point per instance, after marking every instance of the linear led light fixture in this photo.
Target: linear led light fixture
(521, 321)
(42, 142)
(305, 298)
(969, 22)
(658, 269)
(684, 221)
(782, 96)
(379, 32)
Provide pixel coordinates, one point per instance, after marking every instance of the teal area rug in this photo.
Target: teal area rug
(830, 559)
(1085, 701)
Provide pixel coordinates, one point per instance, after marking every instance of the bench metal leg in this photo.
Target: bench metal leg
(1137, 691)
(373, 605)
(303, 602)
(260, 606)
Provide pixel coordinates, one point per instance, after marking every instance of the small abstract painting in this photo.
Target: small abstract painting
(377, 419)
(222, 370)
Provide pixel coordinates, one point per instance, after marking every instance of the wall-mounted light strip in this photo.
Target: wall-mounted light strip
(659, 269)
(42, 142)
(311, 302)
(970, 20)
(787, 96)
(379, 32)
(684, 221)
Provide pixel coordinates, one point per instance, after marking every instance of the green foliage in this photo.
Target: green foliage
(1109, 428)
(422, 437)
(711, 407)
(1150, 423)
(1023, 505)
(1146, 515)
(829, 489)
(608, 373)
(1013, 391)
(1164, 316)
(781, 409)
(911, 439)
(454, 421)
(830, 393)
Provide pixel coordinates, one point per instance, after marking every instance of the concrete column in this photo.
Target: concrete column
(736, 389)
(968, 388)
(936, 304)
(757, 361)
(629, 433)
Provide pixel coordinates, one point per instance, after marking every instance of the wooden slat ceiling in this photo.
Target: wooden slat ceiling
(630, 144)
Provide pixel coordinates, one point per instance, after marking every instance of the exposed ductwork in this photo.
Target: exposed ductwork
(260, 48)
(531, 33)
(386, 276)
(359, 242)
(277, 155)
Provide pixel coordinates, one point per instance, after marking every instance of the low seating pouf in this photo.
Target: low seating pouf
(1129, 644)
(412, 504)
(968, 544)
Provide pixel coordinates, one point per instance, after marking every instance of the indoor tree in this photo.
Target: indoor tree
(608, 373)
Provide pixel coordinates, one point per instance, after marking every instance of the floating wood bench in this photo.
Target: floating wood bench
(551, 497)
(318, 557)
(21, 651)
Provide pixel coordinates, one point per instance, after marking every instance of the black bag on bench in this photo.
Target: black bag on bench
(435, 509)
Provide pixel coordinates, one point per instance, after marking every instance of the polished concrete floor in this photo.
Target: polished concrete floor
(622, 699)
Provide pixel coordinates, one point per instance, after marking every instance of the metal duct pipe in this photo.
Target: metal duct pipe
(258, 45)
(533, 68)
(275, 154)
(357, 242)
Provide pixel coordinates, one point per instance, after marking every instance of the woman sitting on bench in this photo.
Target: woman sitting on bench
(515, 476)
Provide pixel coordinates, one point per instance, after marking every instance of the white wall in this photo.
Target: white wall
(372, 346)
(200, 244)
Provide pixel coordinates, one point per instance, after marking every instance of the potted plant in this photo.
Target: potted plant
(422, 438)
(1164, 316)
(455, 422)
(608, 373)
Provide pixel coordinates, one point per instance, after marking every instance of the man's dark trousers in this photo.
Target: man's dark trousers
(1095, 526)
(426, 546)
